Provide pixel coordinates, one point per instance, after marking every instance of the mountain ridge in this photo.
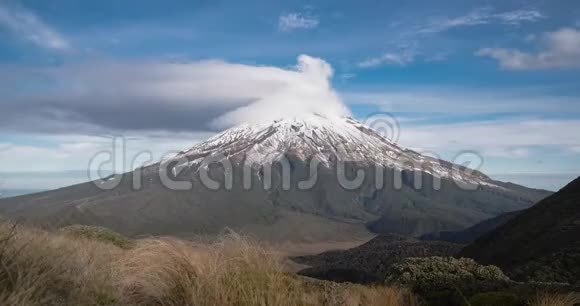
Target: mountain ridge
(471, 233)
(321, 138)
(541, 243)
(331, 150)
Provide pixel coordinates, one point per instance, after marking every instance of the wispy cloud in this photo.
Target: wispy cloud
(398, 59)
(27, 26)
(561, 50)
(518, 16)
(479, 17)
(412, 37)
(515, 137)
(74, 152)
(575, 149)
(458, 100)
(508, 152)
(521, 120)
(346, 76)
(296, 21)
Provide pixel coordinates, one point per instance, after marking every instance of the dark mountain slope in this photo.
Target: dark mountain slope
(370, 261)
(542, 243)
(470, 234)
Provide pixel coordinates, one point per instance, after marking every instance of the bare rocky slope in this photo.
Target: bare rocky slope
(287, 210)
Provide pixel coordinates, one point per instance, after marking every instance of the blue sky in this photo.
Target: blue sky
(496, 77)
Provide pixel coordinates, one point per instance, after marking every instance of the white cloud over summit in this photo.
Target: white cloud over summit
(172, 96)
(306, 90)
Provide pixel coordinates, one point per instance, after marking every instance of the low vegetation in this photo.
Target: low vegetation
(98, 233)
(56, 268)
(553, 299)
(42, 268)
(82, 265)
(497, 298)
(451, 281)
(437, 273)
(509, 298)
(371, 261)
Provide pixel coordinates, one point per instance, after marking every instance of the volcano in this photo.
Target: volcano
(310, 178)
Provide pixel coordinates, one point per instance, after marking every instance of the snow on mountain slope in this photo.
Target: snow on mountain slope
(150, 202)
(325, 139)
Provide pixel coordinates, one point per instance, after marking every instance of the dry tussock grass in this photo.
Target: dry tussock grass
(45, 268)
(554, 299)
(232, 271)
(41, 268)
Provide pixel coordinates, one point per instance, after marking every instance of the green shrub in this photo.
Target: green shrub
(98, 233)
(497, 298)
(446, 273)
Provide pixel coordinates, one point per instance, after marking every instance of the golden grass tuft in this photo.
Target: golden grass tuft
(555, 299)
(42, 268)
(45, 268)
(232, 271)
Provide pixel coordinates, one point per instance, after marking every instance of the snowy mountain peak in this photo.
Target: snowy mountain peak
(305, 136)
(326, 139)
